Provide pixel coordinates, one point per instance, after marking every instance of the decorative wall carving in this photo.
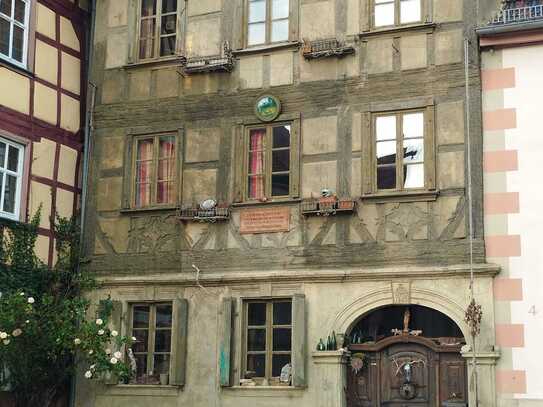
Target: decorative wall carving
(153, 234)
(401, 292)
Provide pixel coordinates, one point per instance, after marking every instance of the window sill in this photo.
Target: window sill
(143, 390)
(16, 68)
(420, 27)
(267, 203)
(151, 209)
(177, 60)
(415, 196)
(267, 48)
(265, 391)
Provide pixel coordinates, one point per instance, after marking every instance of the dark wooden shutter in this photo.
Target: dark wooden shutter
(239, 162)
(368, 169)
(179, 342)
(225, 348)
(299, 348)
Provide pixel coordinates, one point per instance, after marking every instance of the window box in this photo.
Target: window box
(327, 206)
(198, 214)
(216, 63)
(330, 47)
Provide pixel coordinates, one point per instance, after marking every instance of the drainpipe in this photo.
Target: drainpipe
(89, 111)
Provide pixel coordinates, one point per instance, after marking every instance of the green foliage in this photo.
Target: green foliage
(45, 331)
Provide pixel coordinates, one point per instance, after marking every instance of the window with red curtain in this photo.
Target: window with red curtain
(155, 171)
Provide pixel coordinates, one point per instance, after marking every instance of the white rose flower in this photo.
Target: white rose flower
(31, 300)
(108, 351)
(92, 367)
(99, 321)
(22, 294)
(101, 332)
(77, 341)
(118, 355)
(113, 361)
(3, 335)
(88, 374)
(91, 352)
(17, 332)
(6, 341)
(134, 339)
(27, 321)
(114, 333)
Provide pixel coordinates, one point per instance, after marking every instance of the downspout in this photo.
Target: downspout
(89, 112)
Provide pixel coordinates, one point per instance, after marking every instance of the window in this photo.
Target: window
(152, 328)
(14, 30)
(399, 147)
(268, 21)
(11, 173)
(268, 339)
(154, 171)
(396, 12)
(158, 28)
(269, 161)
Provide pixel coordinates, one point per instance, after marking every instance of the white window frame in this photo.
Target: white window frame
(397, 17)
(268, 23)
(25, 27)
(19, 174)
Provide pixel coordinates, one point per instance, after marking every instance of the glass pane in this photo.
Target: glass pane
(143, 195)
(414, 176)
(256, 314)
(281, 136)
(163, 340)
(145, 150)
(169, 6)
(386, 177)
(141, 365)
(20, 8)
(3, 147)
(142, 338)
(256, 365)
(256, 142)
(147, 29)
(163, 316)
(280, 9)
(162, 364)
(165, 192)
(168, 25)
(140, 317)
(413, 125)
(278, 362)
(282, 339)
(386, 152)
(385, 128)
(166, 147)
(282, 313)
(256, 187)
(13, 159)
(147, 48)
(10, 194)
(384, 13)
(413, 151)
(167, 45)
(257, 33)
(18, 43)
(4, 36)
(280, 160)
(257, 11)
(256, 163)
(410, 11)
(279, 31)
(256, 340)
(143, 171)
(5, 7)
(148, 8)
(280, 184)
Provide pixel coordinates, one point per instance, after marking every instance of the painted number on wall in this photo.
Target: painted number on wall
(532, 310)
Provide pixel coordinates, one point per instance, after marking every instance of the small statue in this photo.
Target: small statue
(406, 318)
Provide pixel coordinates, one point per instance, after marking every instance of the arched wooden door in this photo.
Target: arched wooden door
(406, 371)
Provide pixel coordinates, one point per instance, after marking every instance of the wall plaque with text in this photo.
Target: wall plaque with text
(269, 220)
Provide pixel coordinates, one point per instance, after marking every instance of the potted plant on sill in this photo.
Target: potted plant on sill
(345, 204)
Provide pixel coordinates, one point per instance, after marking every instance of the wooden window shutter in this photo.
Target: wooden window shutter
(239, 22)
(429, 148)
(294, 21)
(368, 168)
(239, 163)
(179, 342)
(225, 348)
(299, 348)
(114, 324)
(295, 161)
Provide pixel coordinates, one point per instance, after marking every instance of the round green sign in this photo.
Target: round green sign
(267, 108)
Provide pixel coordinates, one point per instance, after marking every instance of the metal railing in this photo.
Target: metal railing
(519, 15)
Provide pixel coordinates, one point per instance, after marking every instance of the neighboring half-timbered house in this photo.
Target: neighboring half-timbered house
(273, 178)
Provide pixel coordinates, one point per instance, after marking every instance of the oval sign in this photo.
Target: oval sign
(268, 108)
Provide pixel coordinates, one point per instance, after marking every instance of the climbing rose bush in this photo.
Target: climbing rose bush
(46, 331)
